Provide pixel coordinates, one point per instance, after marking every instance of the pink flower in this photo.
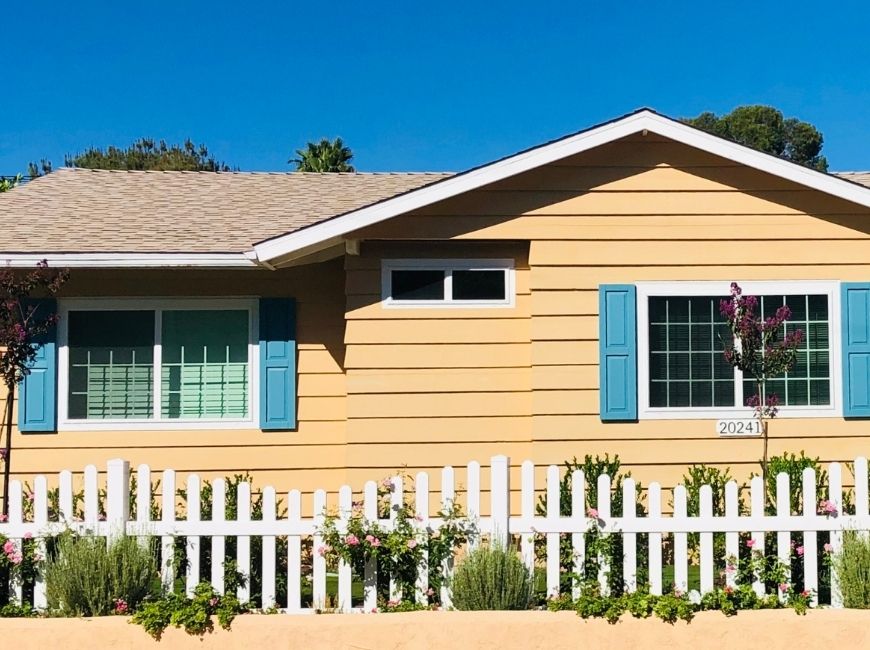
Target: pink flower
(351, 540)
(9, 547)
(592, 513)
(828, 548)
(323, 550)
(214, 601)
(120, 606)
(783, 587)
(376, 542)
(370, 538)
(412, 543)
(799, 550)
(418, 518)
(750, 543)
(3, 518)
(28, 535)
(16, 558)
(729, 568)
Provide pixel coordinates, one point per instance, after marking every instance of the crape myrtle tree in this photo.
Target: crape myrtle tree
(22, 322)
(763, 348)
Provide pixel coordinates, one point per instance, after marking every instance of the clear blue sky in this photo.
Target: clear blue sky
(415, 85)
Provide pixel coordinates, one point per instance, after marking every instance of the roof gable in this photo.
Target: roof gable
(297, 243)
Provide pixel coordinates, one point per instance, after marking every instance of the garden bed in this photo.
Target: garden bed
(769, 629)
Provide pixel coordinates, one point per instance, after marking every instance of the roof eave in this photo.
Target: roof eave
(131, 260)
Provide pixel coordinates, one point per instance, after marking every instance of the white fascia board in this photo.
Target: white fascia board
(129, 260)
(525, 161)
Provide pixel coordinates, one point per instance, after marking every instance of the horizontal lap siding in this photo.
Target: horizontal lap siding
(307, 458)
(430, 387)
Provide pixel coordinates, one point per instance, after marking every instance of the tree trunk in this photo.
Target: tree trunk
(10, 399)
(763, 424)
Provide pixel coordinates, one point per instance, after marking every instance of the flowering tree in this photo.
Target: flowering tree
(21, 325)
(762, 349)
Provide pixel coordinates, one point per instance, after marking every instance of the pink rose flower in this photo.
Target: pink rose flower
(376, 542)
(799, 550)
(3, 518)
(783, 587)
(828, 547)
(370, 538)
(412, 543)
(750, 543)
(28, 535)
(351, 540)
(592, 513)
(323, 550)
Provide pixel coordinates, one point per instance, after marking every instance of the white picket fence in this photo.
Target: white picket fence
(499, 524)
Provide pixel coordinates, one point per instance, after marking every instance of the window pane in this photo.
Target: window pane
(205, 364)
(111, 364)
(417, 285)
(479, 285)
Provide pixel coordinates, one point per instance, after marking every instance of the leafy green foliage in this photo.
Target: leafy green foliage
(194, 614)
(85, 577)
(149, 154)
(696, 477)
(324, 156)
(640, 604)
(794, 466)
(853, 570)
(766, 129)
(492, 578)
(7, 183)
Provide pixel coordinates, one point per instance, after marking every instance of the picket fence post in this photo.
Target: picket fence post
(40, 518)
(294, 553)
(603, 514)
(500, 495)
(448, 496)
(553, 539)
(835, 495)
(117, 497)
(578, 540)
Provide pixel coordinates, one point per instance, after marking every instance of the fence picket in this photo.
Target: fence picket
(654, 497)
(370, 579)
(117, 497)
(193, 514)
(92, 514)
(861, 500)
(706, 538)
(65, 497)
(732, 538)
(294, 553)
(472, 497)
(527, 511)
(268, 591)
(783, 538)
(40, 518)
(681, 543)
(218, 542)
(421, 483)
(578, 540)
(143, 500)
(756, 498)
(811, 575)
(629, 539)
(167, 542)
(553, 550)
(345, 574)
(318, 562)
(835, 495)
(499, 497)
(603, 515)
(448, 496)
(243, 542)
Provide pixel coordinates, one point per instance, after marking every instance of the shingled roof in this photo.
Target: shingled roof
(88, 211)
(862, 178)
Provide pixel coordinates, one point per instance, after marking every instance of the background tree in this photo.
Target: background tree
(324, 156)
(765, 128)
(8, 182)
(21, 325)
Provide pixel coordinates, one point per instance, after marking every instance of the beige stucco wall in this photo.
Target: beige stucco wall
(769, 629)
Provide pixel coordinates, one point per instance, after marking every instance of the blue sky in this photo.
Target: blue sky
(413, 85)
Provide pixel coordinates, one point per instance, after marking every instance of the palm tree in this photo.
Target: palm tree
(324, 156)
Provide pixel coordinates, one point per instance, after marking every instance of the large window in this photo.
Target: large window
(156, 362)
(456, 283)
(682, 337)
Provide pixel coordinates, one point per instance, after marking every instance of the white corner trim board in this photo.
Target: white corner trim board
(644, 120)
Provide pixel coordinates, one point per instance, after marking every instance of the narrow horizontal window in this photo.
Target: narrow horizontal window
(433, 283)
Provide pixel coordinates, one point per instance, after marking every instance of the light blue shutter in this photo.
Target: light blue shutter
(277, 363)
(617, 325)
(855, 316)
(37, 399)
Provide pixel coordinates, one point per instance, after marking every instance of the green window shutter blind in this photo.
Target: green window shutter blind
(37, 404)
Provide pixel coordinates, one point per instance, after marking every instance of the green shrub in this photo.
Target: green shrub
(194, 614)
(852, 565)
(492, 577)
(86, 577)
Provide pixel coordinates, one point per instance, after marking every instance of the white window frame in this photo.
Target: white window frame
(156, 422)
(448, 266)
(645, 290)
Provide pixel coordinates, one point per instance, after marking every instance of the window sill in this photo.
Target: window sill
(156, 425)
(785, 413)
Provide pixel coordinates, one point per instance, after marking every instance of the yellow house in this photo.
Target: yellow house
(316, 329)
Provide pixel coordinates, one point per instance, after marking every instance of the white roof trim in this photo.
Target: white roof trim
(128, 260)
(645, 119)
